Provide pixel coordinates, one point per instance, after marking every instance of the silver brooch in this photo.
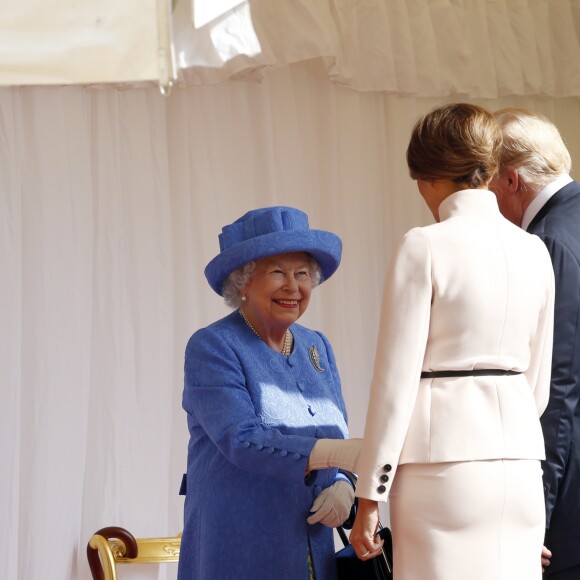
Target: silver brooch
(315, 358)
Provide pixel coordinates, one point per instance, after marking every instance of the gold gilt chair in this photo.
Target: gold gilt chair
(113, 545)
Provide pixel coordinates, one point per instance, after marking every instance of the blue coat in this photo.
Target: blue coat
(254, 416)
(558, 224)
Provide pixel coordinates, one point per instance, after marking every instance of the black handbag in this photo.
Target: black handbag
(350, 567)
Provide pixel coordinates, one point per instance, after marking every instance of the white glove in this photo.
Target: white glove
(332, 506)
(341, 453)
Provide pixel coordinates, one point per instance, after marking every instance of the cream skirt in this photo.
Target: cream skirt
(477, 520)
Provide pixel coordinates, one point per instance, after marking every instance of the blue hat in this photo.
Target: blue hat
(267, 232)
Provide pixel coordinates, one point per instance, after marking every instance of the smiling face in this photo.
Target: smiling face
(278, 292)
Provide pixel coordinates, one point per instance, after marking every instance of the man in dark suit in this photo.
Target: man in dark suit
(535, 191)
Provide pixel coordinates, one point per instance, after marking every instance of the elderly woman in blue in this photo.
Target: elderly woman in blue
(265, 412)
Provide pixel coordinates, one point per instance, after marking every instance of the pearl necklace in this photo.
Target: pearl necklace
(288, 338)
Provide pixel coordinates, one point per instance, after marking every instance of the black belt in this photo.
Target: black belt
(471, 373)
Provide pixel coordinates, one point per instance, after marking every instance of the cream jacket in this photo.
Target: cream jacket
(471, 292)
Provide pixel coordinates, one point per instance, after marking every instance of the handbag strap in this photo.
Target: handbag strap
(343, 536)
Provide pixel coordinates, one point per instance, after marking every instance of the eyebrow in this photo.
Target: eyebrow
(275, 263)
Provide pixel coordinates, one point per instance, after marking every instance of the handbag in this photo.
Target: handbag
(350, 567)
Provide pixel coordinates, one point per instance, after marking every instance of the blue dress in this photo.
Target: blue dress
(253, 416)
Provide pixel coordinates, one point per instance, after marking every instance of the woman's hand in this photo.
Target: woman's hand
(546, 555)
(332, 506)
(363, 536)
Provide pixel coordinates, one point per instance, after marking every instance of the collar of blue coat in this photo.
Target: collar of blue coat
(542, 198)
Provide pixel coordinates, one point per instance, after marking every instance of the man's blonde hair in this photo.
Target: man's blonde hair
(533, 146)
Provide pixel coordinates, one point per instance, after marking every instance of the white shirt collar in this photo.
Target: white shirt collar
(540, 200)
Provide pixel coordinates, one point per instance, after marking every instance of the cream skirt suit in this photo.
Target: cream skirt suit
(459, 458)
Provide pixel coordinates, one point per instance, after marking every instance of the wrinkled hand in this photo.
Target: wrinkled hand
(332, 506)
(341, 453)
(546, 555)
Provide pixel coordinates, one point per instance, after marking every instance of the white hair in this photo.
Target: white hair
(239, 278)
(533, 146)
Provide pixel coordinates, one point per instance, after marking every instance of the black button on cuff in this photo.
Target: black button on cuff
(384, 478)
(387, 468)
(381, 489)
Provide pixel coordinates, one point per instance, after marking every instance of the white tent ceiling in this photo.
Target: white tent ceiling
(478, 48)
(82, 42)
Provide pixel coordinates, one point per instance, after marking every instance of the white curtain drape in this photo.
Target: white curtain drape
(480, 48)
(110, 205)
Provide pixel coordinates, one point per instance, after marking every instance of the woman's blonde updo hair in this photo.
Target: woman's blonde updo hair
(458, 142)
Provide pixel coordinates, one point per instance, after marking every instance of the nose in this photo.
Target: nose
(291, 283)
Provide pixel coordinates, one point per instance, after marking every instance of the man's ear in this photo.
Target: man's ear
(511, 179)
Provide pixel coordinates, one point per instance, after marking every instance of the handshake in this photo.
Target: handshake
(332, 507)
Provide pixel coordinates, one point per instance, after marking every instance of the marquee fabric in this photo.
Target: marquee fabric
(480, 48)
(83, 42)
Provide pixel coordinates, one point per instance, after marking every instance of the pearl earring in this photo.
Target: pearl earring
(243, 298)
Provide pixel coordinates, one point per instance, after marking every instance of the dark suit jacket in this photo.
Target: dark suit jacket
(558, 224)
